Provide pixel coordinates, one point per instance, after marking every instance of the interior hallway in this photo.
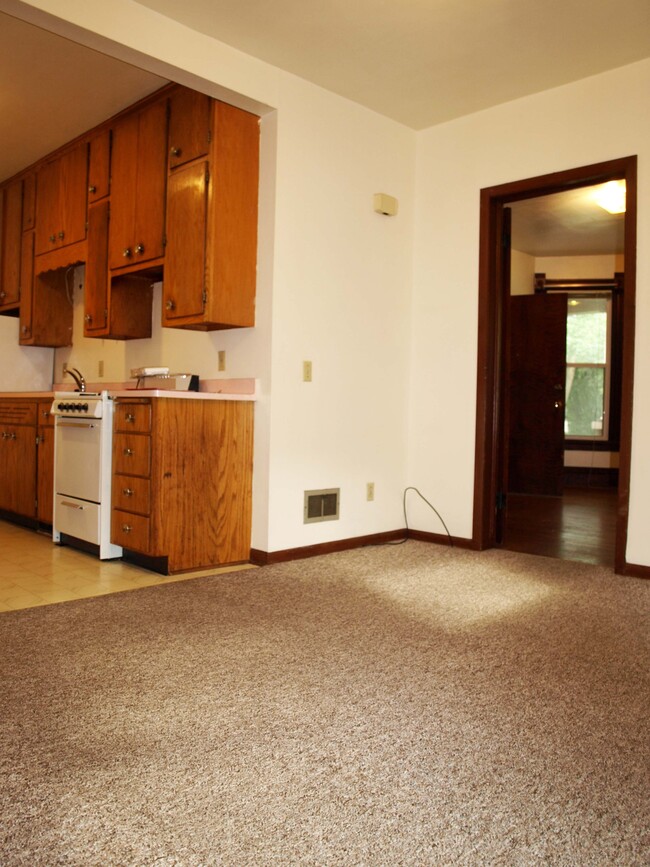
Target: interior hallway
(580, 525)
(34, 571)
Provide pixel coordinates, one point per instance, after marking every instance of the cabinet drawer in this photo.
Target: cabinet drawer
(132, 494)
(130, 531)
(131, 454)
(132, 417)
(16, 412)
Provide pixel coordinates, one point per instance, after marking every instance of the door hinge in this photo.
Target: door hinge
(38, 440)
(164, 241)
(205, 297)
(209, 136)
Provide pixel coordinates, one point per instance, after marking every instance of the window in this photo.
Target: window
(588, 366)
(593, 359)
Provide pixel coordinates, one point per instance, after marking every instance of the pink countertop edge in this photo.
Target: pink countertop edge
(210, 389)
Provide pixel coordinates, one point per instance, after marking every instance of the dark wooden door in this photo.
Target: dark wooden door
(536, 381)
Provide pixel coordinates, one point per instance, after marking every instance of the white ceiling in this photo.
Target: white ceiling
(420, 62)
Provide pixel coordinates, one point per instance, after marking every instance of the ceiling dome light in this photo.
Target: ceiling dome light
(611, 197)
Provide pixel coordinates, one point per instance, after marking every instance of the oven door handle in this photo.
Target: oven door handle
(72, 505)
(76, 424)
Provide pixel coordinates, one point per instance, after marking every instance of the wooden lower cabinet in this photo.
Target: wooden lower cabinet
(26, 460)
(182, 477)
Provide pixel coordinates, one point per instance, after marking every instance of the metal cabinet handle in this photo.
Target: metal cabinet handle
(175, 152)
(170, 305)
(52, 238)
(8, 436)
(128, 453)
(127, 253)
(88, 318)
(61, 236)
(126, 528)
(92, 188)
(3, 294)
(129, 417)
(139, 248)
(72, 505)
(128, 492)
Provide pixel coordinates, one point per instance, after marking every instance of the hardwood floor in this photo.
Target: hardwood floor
(580, 525)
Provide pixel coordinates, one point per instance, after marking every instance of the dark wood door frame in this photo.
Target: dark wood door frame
(489, 469)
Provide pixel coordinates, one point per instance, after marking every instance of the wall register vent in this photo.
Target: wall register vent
(322, 505)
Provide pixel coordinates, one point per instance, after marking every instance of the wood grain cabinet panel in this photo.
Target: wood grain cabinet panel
(131, 454)
(199, 496)
(215, 214)
(61, 200)
(45, 463)
(189, 126)
(11, 227)
(138, 186)
(18, 466)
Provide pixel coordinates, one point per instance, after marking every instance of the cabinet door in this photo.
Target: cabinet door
(61, 195)
(138, 184)
(151, 183)
(123, 191)
(18, 469)
(99, 160)
(184, 278)
(96, 284)
(12, 220)
(189, 126)
(26, 288)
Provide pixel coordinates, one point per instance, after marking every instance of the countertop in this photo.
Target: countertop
(214, 389)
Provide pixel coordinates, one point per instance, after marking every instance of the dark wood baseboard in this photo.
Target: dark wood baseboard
(442, 539)
(634, 570)
(266, 558)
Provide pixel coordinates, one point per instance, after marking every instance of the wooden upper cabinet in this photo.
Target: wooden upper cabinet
(11, 220)
(29, 202)
(99, 166)
(96, 282)
(138, 186)
(215, 216)
(61, 197)
(189, 126)
(184, 278)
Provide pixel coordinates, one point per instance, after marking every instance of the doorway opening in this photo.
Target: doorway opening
(494, 422)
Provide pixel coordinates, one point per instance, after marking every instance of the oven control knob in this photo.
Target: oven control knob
(84, 407)
(59, 406)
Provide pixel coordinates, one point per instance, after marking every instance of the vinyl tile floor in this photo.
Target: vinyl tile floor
(34, 571)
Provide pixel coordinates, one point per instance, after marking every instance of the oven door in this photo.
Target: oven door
(77, 471)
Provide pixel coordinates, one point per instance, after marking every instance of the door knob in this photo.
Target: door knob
(558, 404)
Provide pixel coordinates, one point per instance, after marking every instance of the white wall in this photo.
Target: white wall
(580, 267)
(22, 368)
(600, 118)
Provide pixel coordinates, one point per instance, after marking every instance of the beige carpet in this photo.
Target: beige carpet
(405, 705)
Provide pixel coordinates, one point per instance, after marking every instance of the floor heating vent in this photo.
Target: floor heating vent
(322, 505)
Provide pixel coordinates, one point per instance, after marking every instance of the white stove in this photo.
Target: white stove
(83, 441)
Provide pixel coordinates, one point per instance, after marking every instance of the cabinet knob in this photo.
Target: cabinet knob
(52, 238)
(3, 295)
(129, 417)
(61, 236)
(139, 248)
(170, 305)
(126, 528)
(127, 253)
(88, 318)
(24, 329)
(128, 492)
(92, 188)
(176, 152)
(128, 453)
